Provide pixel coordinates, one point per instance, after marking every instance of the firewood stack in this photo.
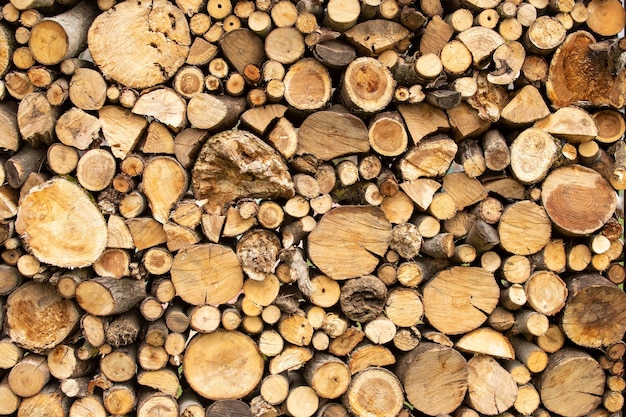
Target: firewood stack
(312, 208)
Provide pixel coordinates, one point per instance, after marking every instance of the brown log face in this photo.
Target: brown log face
(578, 199)
(595, 313)
(580, 74)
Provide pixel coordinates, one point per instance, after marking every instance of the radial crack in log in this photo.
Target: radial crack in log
(347, 240)
(140, 43)
(207, 274)
(468, 292)
(236, 164)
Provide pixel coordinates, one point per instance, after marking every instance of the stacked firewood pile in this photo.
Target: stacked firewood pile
(312, 208)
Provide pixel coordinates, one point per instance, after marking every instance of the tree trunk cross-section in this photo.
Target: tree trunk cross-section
(61, 225)
(345, 241)
(207, 274)
(140, 43)
(468, 292)
(224, 365)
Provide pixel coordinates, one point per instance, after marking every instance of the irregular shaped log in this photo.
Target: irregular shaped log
(9, 128)
(258, 252)
(164, 105)
(236, 164)
(488, 342)
(242, 47)
(573, 65)
(121, 129)
(571, 123)
(164, 183)
(331, 134)
(372, 37)
(491, 389)
(212, 112)
(362, 299)
(422, 119)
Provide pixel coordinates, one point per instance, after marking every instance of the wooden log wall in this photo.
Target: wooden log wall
(312, 208)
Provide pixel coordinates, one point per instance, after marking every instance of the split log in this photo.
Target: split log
(121, 129)
(491, 389)
(390, 35)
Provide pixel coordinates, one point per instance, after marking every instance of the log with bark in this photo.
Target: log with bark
(309, 208)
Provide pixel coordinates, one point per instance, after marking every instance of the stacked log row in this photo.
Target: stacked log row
(312, 208)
